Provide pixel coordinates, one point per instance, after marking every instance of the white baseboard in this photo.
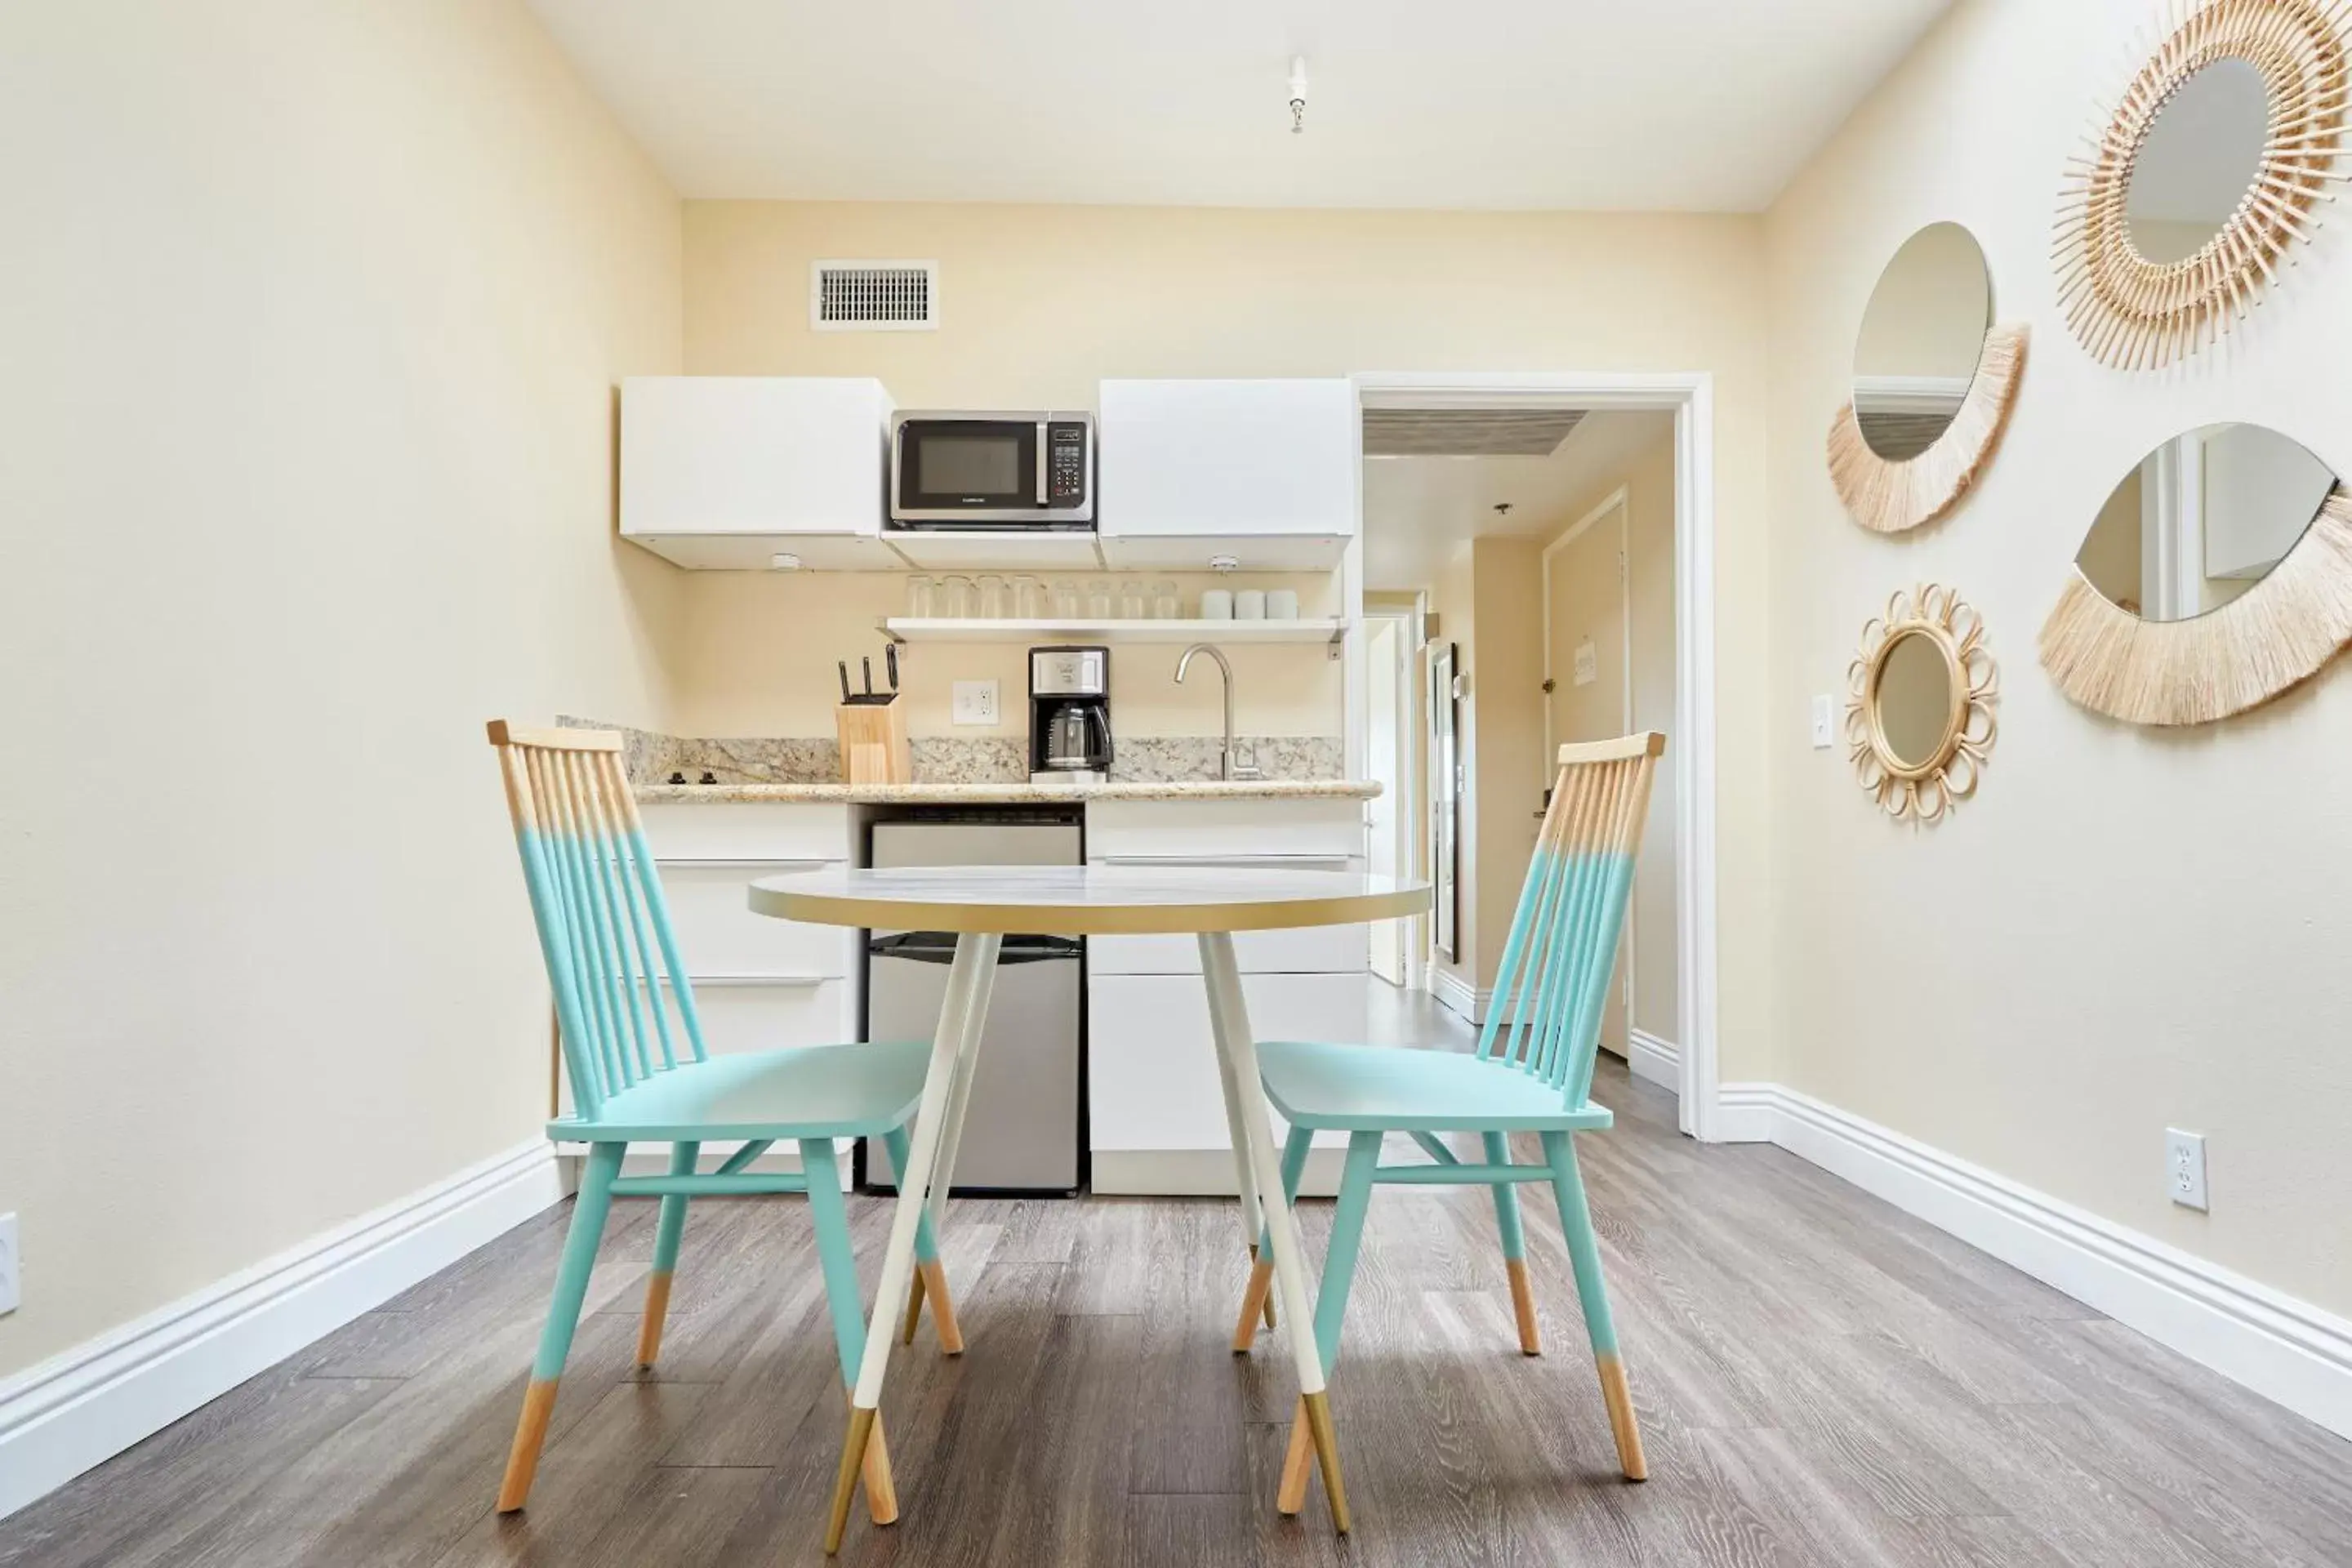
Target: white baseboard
(2285, 1349)
(1653, 1060)
(1745, 1112)
(1459, 995)
(1200, 1173)
(69, 1413)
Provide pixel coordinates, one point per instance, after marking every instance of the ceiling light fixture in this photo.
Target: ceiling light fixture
(1298, 94)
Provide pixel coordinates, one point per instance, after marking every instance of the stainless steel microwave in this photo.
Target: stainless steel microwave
(993, 470)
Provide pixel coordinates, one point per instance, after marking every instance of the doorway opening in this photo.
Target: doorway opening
(1541, 545)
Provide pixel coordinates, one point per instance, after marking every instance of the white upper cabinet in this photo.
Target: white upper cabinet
(1264, 471)
(728, 471)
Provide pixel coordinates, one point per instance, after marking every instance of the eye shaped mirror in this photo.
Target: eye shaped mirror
(2202, 519)
(2200, 160)
(1922, 337)
(1918, 699)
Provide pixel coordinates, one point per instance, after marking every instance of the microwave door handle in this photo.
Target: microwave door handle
(1042, 431)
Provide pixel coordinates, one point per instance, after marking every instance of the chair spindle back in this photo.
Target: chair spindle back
(603, 924)
(1553, 985)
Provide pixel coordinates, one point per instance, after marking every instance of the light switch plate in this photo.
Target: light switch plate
(1824, 730)
(975, 702)
(2184, 1168)
(12, 1280)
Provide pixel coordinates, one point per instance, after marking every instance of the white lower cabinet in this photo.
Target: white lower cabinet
(756, 1016)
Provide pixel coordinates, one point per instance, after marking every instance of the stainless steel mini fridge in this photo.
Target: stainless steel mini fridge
(1022, 1134)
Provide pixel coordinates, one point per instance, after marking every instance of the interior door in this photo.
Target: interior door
(1383, 751)
(1444, 791)
(1588, 682)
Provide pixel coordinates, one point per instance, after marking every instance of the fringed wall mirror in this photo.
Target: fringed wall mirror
(2213, 165)
(2218, 574)
(1933, 383)
(1919, 711)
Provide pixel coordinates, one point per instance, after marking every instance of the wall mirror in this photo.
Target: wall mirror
(1933, 383)
(2212, 163)
(2216, 574)
(1920, 697)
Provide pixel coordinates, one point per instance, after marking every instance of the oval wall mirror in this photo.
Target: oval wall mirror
(2199, 162)
(1919, 710)
(1933, 382)
(2216, 574)
(2215, 161)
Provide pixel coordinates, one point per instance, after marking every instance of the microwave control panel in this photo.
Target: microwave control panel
(1065, 462)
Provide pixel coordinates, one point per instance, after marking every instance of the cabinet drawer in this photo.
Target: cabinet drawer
(1152, 1069)
(1300, 832)
(738, 1018)
(1311, 949)
(719, 936)
(759, 838)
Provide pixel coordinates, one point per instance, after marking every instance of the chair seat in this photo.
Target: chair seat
(1393, 1089)
(808, 1092)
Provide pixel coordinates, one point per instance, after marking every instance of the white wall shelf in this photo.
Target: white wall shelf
(905, 629)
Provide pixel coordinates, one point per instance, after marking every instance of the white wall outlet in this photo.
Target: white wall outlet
(2184, 1168)
(1824, 729)
(975, 702)
(12, 1280)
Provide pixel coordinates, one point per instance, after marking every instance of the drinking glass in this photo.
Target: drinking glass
(1166, 605)
(994, 606)
(1133, 606)
(1100, 604)
(922, 598)
(1068, 604)
(956, 598)
(1028, 599)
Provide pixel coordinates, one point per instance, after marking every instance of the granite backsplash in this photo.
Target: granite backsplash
(652, 758)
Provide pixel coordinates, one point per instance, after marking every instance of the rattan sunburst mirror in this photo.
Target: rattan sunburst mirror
(2211, 167)
(1919, 708)
(1933, 383)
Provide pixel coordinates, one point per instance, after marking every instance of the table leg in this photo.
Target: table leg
(931, 1277)
(1229, 1023)
(1244, 1177)
(960, 1018)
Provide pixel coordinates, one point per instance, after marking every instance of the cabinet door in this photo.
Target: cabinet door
(1152, 1069)
(1239, 458)
(715, 455)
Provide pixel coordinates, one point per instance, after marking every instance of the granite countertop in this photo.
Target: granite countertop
(1005, 794)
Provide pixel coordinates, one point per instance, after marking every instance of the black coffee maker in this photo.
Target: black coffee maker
(1069, 715)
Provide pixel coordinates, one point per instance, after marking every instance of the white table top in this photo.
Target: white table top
(1086, 901)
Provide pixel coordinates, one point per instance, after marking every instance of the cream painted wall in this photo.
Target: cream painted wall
(1983, 985)
(1037, 304)
(1508, 692)
(315, 315)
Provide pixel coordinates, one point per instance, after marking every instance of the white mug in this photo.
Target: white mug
(1282, 605)
(1249, 604)
(1216, 604)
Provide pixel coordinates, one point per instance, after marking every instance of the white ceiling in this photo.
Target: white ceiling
(1418, 510)
(1706, 105)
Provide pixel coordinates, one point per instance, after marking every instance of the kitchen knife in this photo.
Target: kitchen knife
(868, 665)
(844, 681)
(890, 662)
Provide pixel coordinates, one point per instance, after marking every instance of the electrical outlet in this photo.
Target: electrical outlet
(975, 702)
(12, 1283)
(1822, 724)
(2184, 1168)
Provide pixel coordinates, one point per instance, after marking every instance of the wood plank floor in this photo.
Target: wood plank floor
(1821, 1379)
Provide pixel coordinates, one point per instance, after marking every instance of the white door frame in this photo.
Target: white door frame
(1690, 749)
(1619, 501)
(1409, 674)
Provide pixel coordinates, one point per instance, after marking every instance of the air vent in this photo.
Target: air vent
(874, 296)
(1467, 432)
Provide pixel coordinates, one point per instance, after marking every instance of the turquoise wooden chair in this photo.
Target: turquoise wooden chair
(639, 1076)
(1532, 1073)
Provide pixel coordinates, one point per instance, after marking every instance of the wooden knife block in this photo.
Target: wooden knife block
(874, 748)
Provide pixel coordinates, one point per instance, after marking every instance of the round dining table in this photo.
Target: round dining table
(984, 904)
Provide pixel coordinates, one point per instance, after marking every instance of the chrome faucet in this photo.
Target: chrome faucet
(1230, 770)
